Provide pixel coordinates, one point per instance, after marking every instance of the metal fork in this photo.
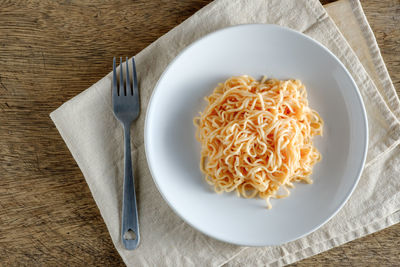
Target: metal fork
(126, 106)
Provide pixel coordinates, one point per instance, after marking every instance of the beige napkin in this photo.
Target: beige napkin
(95, 139)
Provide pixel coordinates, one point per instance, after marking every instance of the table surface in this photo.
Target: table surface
(52, 50)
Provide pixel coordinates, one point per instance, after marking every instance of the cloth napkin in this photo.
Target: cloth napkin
(94, 137)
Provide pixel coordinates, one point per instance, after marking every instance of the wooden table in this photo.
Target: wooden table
(52, 50)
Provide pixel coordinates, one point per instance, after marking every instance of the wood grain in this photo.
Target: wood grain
(52, 50)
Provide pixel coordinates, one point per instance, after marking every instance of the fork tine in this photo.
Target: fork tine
(134, 78)
(114, 82)
(121, 78)
(127, 80)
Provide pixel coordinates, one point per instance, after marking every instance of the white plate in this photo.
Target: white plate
(173, 153)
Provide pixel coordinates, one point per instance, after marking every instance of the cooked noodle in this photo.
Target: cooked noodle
(256, 137)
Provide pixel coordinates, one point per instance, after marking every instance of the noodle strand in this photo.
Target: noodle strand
(256, 137)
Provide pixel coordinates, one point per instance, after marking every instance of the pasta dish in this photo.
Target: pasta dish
(257, 137)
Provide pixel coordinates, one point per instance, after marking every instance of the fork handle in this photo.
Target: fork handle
(130, 225)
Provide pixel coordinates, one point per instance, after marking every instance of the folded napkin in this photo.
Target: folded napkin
(94, 137)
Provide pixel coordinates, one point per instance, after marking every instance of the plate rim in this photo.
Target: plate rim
(358, 96)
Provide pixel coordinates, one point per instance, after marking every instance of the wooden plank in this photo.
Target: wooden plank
(52, 50)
